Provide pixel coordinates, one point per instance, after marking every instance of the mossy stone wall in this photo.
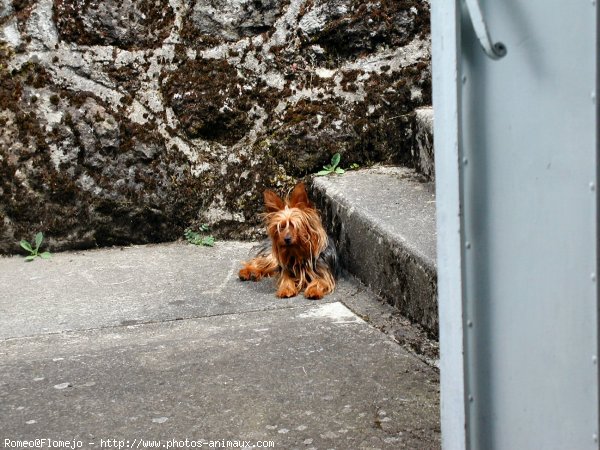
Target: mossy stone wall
(126, 121)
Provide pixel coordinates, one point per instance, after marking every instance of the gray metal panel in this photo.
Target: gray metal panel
(530, 227)
(446, 76)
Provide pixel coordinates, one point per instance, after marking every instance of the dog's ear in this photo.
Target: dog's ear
(273, 202)
(299, 197)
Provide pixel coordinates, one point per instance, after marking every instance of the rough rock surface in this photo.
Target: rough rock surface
(127, 121)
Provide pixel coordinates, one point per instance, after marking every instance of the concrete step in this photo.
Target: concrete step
(124, 348)
(422, 148)
(383, 220)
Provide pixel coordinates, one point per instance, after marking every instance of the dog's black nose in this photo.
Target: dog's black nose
(287, 240)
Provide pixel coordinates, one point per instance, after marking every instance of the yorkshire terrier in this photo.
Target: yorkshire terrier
(299, 251)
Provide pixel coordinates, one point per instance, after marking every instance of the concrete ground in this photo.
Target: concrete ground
(121, 348)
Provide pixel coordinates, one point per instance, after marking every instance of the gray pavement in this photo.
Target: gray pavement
(164, 343)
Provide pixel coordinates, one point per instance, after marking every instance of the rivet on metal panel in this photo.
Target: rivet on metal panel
(594, 97)
(468, 245)
(595, 437)
(593, 276)
(464, 79)
(471, 399)
(594, 359)
(592, 186)
(465, 161)
(470, 323)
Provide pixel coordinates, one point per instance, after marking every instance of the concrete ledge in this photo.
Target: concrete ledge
(383, 220)
(423, 142)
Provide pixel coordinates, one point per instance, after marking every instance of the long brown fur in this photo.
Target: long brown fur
(298, 243)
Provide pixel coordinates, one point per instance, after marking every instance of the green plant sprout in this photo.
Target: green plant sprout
(34, 251)
(333, 167)
(197, 238)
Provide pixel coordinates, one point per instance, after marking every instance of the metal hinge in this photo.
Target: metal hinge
(494, 51)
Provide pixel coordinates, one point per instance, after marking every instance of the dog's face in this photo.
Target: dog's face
(294, 225)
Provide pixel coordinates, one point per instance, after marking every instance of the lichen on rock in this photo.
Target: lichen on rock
(127, 24)
(232, 20)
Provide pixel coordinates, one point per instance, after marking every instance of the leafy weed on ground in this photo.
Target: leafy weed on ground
(198, 237)
(33, 248)
(334, 167)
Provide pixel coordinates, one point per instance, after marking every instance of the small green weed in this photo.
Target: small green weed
(198, 238)
(333, 167)
(34, 248)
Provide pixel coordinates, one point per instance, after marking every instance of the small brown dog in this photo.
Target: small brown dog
(300, 251)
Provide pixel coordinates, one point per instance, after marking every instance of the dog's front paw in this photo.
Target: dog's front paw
(246, 274)
(314, 292)
(286, 292)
